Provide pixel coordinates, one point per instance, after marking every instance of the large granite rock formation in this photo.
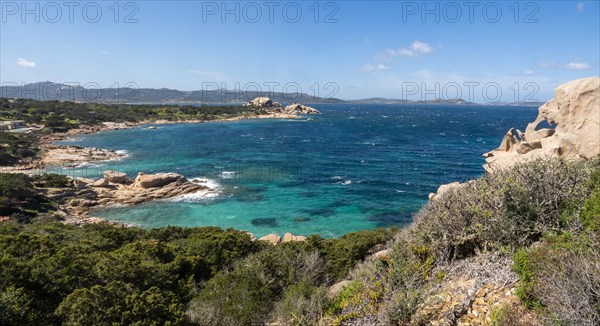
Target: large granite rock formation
(263, 103)
(296, 108)
(575, 113)
(145, 188)
(293, 109)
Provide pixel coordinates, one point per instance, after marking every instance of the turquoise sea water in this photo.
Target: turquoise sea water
(354, 167)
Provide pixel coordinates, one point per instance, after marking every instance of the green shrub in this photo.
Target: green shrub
(508, 209)
(120, 303)
(560, 278)
(16, 148)
(246, 295)
(302, 304)
(44, 263)
(344, 253)
(590, 215)
(52, 180)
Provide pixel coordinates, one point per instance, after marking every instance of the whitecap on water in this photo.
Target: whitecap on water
(228, 174)
(202, 195)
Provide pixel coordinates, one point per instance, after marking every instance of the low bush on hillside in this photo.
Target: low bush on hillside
(16, 148)
(546, 211)
(99, 275)
(19, 197)
(284, 282)
(561, 278)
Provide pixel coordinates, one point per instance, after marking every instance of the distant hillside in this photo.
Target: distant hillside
(126, 94)
(129, 94)
(381, 100)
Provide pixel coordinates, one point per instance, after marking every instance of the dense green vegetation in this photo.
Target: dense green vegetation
(58, 117)
(542, 215)
(20, 198)
(15, 148)
(62, 116)
(54, 273)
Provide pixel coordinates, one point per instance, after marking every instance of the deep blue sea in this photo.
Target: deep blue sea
(353, 167)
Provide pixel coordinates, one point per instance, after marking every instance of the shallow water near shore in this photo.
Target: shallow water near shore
(353, 167)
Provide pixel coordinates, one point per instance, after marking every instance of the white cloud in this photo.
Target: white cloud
(212, 75)
(104, 52)
(415, 49)
(548, 64)
(528, 73)
(25, 63)
(577, 65)
(370, 68)
(580, 6)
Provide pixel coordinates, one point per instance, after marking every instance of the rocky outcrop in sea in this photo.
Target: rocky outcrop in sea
(116, 189)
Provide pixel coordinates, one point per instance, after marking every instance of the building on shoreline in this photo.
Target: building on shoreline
(12, 124)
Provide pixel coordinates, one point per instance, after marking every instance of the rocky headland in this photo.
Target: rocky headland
(573, 119)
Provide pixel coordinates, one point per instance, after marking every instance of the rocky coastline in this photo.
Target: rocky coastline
(573, 132)
(115, 188)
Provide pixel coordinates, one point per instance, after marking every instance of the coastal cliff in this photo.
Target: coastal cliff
(573, 128)
(518, 246)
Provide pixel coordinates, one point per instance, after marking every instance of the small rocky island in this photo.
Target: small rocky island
(266, 104)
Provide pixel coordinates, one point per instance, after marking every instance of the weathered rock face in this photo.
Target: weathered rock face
(263, 102)
(115, 177)
(443, 189)
(145, 188)
(296, 108)
(73, 155)
(288, 237)
(157, 180)
(575, 111)
(271, 238)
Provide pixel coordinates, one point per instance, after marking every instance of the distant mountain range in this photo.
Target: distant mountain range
(128, 94)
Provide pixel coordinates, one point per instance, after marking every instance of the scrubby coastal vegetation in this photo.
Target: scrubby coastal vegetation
(63, 116)
(518, 246)
(536, 226)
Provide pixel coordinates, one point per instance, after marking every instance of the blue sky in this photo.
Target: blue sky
(363, 48)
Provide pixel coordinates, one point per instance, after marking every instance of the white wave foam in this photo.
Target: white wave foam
(87, 165)
(228, 175)
(210, 183)
(124, 154)
(205, 195)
